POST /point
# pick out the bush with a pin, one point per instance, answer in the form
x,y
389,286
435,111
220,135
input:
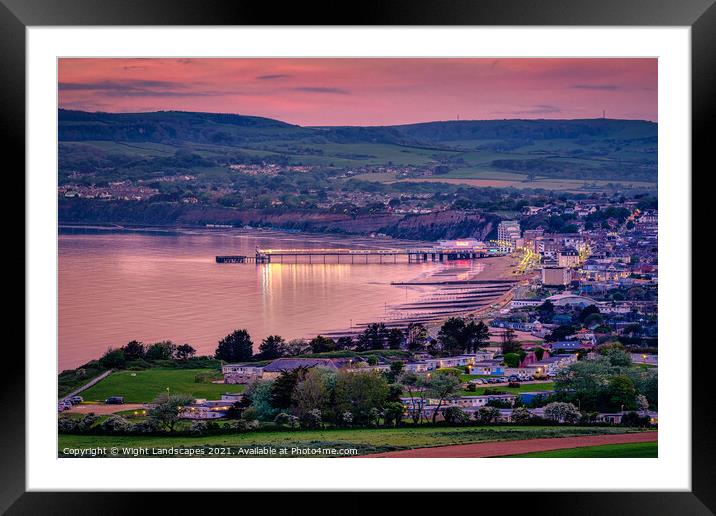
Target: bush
x,y
521,416
487,415
66,425
562,412
198,427
145,427
634,419
113,359
455,416
115,425
87,421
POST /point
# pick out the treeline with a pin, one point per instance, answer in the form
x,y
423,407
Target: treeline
x,y
456,336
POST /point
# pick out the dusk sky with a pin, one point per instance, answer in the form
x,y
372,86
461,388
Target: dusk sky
x,y
366,91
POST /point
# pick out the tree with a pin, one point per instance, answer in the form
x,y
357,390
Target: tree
x,y
618,357
167,409
361,393
185,351
395,338
396,368
587,311
415,386
621,393
487,415
321,344
455,416
562,412
476,336
133,350
416,337
546,309
258,397
512,359
442,387
452,336
393,413
559,333
283,386
642,404
296,347
163,350
373,337
521,416
509,342
235,347
272,347
113,359
345,342
310,393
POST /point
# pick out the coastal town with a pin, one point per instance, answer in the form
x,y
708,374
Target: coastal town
x,y
511,349
393,257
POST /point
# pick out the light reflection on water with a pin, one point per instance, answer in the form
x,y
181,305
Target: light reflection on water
x,y
117,287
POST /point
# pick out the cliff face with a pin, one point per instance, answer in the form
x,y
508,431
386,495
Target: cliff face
x,y
433,226
446,224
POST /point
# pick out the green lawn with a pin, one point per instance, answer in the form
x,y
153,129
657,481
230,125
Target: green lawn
x,y
143,386
365,440
607,451
524,387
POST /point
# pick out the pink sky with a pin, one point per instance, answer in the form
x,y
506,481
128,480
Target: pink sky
x,y
366,91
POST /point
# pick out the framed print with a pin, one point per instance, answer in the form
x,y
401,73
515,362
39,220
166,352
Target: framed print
x,y
438,249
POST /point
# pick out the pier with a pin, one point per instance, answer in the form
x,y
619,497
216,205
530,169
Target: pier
x,y
234,259
445,250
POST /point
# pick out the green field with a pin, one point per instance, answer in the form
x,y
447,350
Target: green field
x,y
524,387
365,440
606,451
143,386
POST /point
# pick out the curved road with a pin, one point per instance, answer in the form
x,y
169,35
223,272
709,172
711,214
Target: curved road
x,y
501,448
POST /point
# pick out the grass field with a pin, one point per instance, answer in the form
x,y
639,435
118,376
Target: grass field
x,y
365,440
143,386
524,387
607,451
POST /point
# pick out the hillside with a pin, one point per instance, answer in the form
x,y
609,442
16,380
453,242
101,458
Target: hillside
x,y
199,168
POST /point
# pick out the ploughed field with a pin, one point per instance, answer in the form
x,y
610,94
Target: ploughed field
x,y
364,440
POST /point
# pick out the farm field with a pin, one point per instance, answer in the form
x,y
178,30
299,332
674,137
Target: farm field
x,y
607,451
144,386
365,440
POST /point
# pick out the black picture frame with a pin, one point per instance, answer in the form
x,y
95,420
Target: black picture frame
x,y
17,15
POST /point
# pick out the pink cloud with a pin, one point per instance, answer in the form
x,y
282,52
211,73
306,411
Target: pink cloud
x,y
366,91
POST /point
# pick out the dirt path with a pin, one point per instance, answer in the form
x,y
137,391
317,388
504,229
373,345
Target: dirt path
x,y
498,449
102,409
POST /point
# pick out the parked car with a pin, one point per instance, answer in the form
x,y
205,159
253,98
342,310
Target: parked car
x,y
76,399
62,406
114,400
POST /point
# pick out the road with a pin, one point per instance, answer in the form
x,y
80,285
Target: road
x,y
501,448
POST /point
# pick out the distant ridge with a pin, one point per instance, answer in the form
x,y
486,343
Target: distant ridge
x,y
177,126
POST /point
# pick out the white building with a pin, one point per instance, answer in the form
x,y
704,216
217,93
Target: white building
x,y
508,232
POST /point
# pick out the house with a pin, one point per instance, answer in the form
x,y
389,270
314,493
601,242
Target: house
x,y
232,397
488,367
205,409
275,368
241,373
550,366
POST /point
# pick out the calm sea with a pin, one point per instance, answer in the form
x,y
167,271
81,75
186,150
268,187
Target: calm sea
x,y
121,286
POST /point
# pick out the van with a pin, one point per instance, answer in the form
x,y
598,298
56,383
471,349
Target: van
x,y
114,400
